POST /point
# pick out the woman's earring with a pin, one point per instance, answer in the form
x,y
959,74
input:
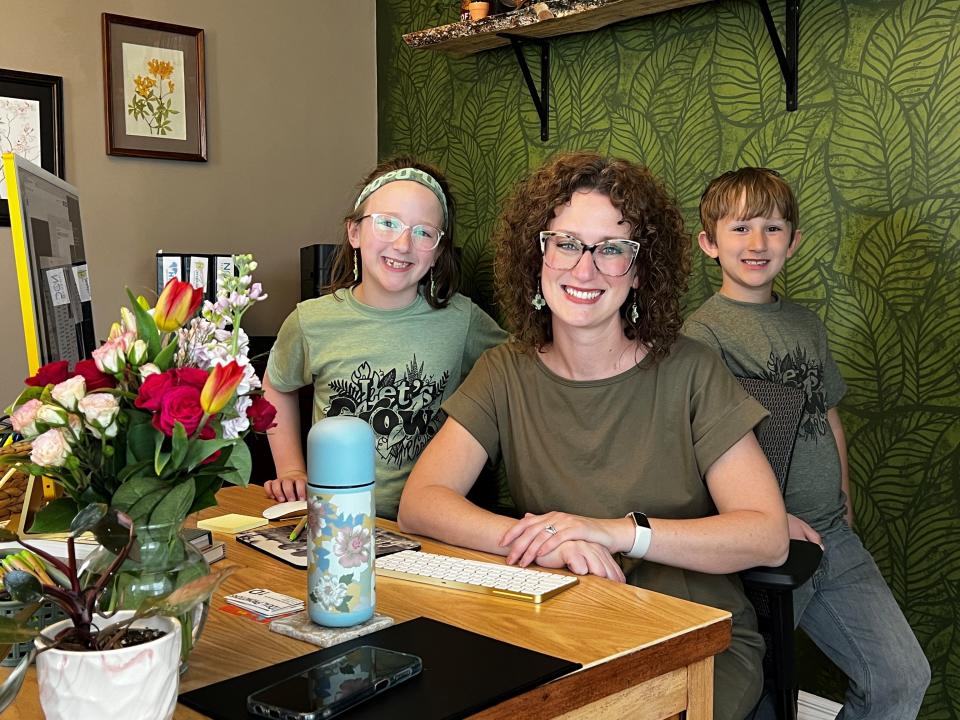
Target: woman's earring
x,y
433,286
634,311
356,269
538,302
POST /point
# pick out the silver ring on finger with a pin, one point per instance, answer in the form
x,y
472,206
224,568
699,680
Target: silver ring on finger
x,y
551,530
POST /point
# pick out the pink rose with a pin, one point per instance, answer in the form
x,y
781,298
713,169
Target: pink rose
x,y
24,418
50,449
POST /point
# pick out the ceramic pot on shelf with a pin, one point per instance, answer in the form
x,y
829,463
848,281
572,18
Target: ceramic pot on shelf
x,y
131,683
479,10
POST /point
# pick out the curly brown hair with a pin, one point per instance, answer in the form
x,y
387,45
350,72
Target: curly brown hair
x,y
662,264
446,275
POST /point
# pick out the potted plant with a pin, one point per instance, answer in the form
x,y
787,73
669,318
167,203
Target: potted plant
x,y
94,663
152,426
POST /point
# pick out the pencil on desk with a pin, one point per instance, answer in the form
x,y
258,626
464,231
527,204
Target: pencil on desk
x,y
299,528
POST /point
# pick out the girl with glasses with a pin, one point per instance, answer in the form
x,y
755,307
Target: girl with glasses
x,y
628,448
389,339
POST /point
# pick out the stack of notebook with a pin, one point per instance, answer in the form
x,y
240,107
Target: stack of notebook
x,y
202,540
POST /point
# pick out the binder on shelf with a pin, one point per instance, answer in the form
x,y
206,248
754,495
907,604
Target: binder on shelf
x,y
202,270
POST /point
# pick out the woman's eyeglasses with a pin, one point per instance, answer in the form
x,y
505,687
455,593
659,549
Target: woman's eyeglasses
x,y
562,251
388,228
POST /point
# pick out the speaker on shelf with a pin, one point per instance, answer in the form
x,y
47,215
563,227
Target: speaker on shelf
x,y
316,262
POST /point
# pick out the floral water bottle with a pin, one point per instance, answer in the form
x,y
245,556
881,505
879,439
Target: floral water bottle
x,y
342,515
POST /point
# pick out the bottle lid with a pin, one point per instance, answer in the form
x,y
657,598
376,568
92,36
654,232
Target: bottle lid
x,y
340,453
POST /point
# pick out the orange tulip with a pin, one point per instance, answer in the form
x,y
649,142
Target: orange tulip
x,y
176,304
220,386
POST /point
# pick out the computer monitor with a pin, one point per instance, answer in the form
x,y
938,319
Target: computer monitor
x,y
52,274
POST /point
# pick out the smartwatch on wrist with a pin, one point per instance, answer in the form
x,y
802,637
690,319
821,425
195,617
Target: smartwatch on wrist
x,y
642,535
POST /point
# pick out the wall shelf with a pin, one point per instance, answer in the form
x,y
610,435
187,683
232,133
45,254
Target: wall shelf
x,y
522,27
467,38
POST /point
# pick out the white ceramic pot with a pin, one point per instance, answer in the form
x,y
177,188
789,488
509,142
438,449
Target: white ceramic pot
x,y
134,683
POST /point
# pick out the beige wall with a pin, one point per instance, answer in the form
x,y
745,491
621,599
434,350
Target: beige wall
x,y
291,127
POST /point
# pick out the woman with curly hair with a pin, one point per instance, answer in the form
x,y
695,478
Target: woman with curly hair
x,y
628,447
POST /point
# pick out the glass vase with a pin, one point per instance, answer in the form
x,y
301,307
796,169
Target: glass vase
x,y
166,562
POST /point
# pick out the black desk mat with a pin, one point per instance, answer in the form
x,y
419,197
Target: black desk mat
x,y
463,673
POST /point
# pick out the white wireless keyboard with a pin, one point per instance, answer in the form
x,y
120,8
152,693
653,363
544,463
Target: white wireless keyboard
x,y
473,575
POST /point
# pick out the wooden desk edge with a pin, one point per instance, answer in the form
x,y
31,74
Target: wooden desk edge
x,y
602,680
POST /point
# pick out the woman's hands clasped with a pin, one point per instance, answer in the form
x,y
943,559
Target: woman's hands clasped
x,y
583,545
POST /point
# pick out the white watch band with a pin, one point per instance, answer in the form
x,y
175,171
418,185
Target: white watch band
x,y
641,542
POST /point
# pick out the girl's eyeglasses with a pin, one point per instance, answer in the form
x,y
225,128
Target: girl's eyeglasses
x,y
562,251
388,228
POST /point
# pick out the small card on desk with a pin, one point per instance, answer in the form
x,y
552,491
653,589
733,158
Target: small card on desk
x,y
232,523
265,602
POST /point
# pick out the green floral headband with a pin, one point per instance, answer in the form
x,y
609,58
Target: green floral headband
x,y
407,173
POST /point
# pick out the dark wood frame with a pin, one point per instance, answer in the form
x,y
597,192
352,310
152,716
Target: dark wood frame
x,y
48,90
117,29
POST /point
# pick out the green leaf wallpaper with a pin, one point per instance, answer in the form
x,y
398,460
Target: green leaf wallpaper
x,y
873,154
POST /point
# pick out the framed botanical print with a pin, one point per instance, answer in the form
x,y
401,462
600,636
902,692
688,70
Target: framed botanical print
x,y
154,88
31,124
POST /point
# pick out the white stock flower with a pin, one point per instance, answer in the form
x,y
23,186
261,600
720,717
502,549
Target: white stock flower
x,y
236,425
100,410
70,391
50,449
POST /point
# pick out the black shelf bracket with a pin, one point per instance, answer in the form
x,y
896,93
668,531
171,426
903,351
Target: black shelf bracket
x,y
541,100
786,56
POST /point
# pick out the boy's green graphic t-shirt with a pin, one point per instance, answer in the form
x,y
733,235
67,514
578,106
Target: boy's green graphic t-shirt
x,y
391,368
786,343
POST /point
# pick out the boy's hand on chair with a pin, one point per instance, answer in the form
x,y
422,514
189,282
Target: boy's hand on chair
x,y
799,530
290,486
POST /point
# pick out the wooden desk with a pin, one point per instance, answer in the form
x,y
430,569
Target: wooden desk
x,y
645,655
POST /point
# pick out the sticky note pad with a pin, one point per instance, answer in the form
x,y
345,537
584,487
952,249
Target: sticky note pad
x,y
232,523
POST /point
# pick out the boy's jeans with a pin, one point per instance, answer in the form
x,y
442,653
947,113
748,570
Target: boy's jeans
x,y
849,612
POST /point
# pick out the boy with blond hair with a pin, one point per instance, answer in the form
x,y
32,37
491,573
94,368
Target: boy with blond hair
x,y
749,219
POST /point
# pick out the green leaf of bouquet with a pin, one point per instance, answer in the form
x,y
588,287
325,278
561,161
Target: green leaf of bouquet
x,y
23,586
160,458
239,465
174,504
55,516
164,358
140,442
206,492
29,393
87,519
138,496
200,450
180,446
146,327
130,470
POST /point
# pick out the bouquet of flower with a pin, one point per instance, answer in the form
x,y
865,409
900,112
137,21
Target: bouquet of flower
x,y
153,424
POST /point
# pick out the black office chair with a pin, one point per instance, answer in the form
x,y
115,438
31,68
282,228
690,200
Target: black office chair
x,y
771,589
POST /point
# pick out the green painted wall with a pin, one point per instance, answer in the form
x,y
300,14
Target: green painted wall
x,y
874,156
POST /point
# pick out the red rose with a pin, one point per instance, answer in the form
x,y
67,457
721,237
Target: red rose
x,y
50,374
179,404
194,377
153,389
96,380
261,414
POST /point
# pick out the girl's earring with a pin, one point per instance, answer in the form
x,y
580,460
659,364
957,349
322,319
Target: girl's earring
x,y
433,286
538,302
634,310
356,269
